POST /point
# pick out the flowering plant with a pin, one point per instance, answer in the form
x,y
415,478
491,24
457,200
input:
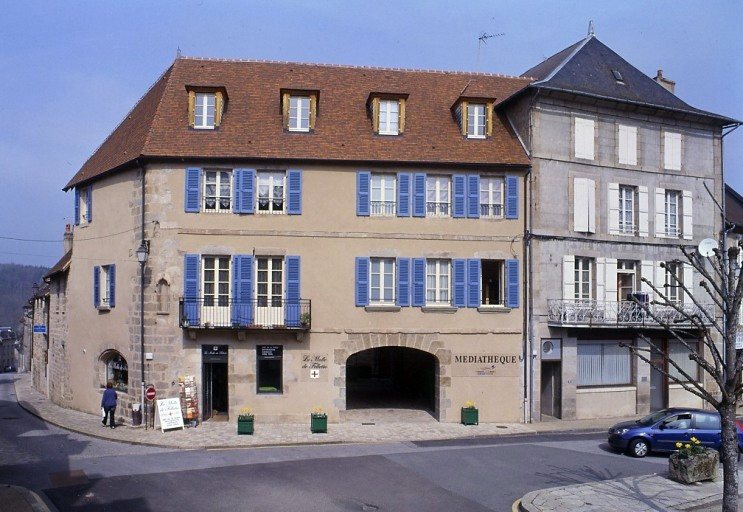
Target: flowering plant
x,y
469,404
688,450
246,413
318,411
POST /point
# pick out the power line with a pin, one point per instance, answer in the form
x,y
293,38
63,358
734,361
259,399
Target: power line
x,y
28,239
58,241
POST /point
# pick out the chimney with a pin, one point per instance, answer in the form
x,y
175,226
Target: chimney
x,y
67,238
667,84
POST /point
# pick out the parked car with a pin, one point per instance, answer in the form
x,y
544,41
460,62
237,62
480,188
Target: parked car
x,y
660,431
10,369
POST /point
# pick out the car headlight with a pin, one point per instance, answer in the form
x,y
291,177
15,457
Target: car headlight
x,y
622,431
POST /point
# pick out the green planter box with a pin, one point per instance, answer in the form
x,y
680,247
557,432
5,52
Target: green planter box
x,y
245,427
470,416
319,423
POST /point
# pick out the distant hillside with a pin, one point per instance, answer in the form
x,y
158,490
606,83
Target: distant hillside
x,y
16,283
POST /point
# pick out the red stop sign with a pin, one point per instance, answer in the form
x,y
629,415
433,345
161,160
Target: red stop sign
x,y
150,393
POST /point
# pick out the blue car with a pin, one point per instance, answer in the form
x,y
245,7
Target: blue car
x,y
660,431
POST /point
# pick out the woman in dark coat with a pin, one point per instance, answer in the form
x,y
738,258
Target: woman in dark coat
x,y
108,402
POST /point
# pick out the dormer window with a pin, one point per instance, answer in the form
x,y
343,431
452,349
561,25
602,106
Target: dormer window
x,y
388,113
475,117
476,120
205,108
299,110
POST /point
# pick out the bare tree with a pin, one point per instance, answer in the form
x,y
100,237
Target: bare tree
x,y
708,332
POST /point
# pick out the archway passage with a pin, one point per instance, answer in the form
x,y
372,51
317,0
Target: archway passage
x,y
391,377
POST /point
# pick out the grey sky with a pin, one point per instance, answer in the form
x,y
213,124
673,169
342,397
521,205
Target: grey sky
x,y
72,70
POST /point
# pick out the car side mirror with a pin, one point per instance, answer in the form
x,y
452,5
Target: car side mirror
x,y
662,426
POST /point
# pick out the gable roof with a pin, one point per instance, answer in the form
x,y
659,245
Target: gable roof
x,y
61,266
251,128
734,208
586,68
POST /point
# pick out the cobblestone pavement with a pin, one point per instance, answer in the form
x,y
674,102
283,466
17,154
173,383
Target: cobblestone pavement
x,y
223,434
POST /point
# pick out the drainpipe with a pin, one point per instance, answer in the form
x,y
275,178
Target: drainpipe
x,y
141,300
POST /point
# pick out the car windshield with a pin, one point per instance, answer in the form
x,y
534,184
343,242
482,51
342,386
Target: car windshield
x,y
652,418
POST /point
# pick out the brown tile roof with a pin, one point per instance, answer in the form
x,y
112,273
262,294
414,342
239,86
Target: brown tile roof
x,y
61,266
252,124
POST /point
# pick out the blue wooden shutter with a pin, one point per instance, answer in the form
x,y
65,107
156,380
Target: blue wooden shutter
x,y
191,303
292,310
242,290
112,286
362,281
403,282
363,185
244,191
460,194
473,196
512,197
96,286
237,186
403,194
193,186
419,195
473,283
77,207
512,283
294,194
89,199
460,283
419,282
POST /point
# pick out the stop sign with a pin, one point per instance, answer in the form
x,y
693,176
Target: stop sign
x,y
150,393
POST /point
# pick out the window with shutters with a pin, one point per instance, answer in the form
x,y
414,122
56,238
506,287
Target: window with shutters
x,y
382,281
83,201
583,278
217,191
672,213
438,196
627,144
627,209
389,116
438,282
299,114
476,119
105,280
269,283
673,280
583,135
672,151
603,364
383,199
493,282
215,281
627,279
270,197
491,197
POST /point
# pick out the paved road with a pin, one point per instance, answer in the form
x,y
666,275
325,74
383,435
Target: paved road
x,y
78,473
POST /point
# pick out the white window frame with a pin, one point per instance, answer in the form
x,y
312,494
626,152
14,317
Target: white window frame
x,y
379,270
383,199
491,188
218,299
476,120
221,177
441,205
271,179
672,289
627,144
592,359
583,278
104,285
626,267
627,207
83,205
672,150
389,117
672,214
299,112
269,299
584,138
438,294
205,109
500,285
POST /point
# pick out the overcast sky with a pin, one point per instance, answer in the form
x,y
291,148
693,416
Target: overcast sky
x,y
72,70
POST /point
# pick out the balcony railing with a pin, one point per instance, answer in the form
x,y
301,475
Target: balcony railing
x,y
626,313
245,314
383,208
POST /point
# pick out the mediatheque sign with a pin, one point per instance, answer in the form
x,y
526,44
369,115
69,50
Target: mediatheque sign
x,y
486,365
314,366
169,411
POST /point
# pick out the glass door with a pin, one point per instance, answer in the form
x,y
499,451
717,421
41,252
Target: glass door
x,y
215,309
269,291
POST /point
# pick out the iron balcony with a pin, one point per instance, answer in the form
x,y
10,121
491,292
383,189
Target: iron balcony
x,y
228,313
626,313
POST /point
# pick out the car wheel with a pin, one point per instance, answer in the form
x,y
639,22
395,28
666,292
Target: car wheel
x,y
639,448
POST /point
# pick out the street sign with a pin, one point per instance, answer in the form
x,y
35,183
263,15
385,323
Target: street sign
x,y
150,393
39,329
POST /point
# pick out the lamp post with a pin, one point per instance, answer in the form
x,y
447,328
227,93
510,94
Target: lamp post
x,y
142,253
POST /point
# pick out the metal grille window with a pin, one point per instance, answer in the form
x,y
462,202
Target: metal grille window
x,y
491,197
216,281
583,282
389,115
383,200
382,281
270,192
438,200
217,191
626,209
204,110
672,213
476,120
270,281
299,113
603,364
438,279
679,354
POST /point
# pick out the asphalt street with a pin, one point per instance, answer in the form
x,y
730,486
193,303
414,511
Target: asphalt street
x,y
77,473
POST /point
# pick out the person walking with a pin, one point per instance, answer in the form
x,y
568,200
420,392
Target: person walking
x,y
108,402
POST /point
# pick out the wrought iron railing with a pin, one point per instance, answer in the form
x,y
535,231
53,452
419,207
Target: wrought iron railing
x,y
491,210
244,314
383,207
437,209
622,313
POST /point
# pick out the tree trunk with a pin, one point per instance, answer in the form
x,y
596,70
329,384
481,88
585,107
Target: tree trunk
x,y
729,456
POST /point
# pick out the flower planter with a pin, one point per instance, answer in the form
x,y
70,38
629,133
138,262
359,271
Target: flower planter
x,y
319,423
245,426
470,416
696,468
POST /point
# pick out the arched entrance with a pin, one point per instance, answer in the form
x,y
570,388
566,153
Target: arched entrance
x,y
391,377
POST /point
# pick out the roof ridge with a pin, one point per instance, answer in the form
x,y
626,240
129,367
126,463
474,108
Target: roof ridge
x,y
557,68
159,103
352,66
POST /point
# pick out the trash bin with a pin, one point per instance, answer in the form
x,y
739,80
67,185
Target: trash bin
x,y
136,414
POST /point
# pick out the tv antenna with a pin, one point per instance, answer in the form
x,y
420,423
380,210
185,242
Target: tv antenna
x,y
483,39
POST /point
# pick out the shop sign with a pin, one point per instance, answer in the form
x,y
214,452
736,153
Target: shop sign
x,y
270,351
169,411
39,329
315,366
486,365
214,353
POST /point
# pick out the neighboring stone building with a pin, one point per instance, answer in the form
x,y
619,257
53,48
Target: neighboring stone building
x,y
619,169
40,340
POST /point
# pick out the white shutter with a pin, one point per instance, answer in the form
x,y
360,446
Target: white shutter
x,y
613,208
591,187
643,210
660,212
610,285
568,277
600,279
584,138
646,271
660,280
688,215
580,205
627,145
688,280
672,153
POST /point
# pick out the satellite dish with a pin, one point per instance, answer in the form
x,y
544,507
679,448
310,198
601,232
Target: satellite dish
x,y
707,247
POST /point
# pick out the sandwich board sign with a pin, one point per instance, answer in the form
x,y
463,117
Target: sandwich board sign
x,y
169,412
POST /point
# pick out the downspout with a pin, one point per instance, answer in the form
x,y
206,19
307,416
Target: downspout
x,y
529,385
141,298
527,298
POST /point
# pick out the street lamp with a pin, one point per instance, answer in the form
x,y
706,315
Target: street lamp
x,y
143,253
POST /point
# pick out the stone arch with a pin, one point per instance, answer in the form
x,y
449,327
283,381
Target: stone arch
x,y
162,289
113,366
